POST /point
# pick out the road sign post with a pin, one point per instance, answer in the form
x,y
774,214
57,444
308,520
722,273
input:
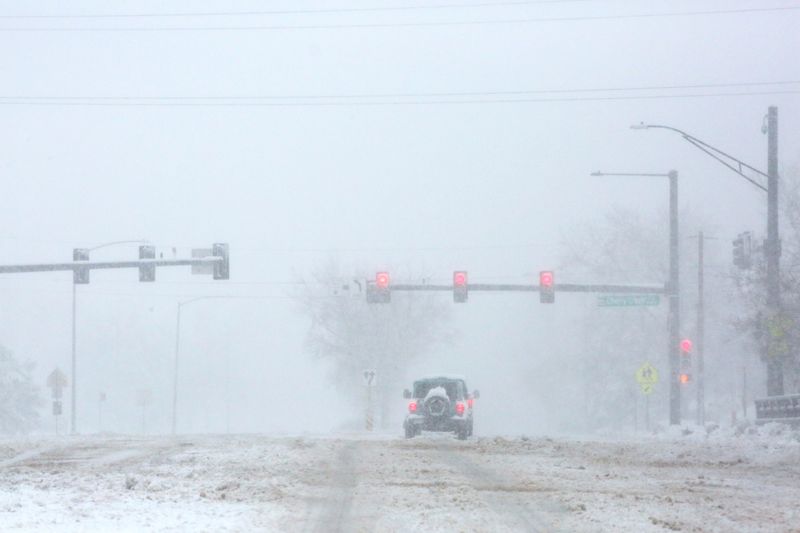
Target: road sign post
x,y
369,376
56,380
647,377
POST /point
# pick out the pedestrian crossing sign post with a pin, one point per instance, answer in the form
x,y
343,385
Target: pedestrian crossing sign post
x,y
647,377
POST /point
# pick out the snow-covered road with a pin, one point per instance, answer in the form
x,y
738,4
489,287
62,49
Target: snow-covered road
x,y
385,483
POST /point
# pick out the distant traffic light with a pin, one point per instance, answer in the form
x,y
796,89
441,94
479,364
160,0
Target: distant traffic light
x,y
80,275
685,375
547,293
460,287
222,269
379,291
743,250
147,272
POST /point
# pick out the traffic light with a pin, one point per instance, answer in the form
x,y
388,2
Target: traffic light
x,y
460,287
222,269
147,272
686,346
742,250
685,375
80,275
379,291
547,293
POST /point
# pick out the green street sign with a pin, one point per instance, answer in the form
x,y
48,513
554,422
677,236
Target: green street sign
x,y
628,300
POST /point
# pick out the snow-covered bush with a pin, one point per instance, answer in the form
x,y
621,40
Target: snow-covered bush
x,y
19,397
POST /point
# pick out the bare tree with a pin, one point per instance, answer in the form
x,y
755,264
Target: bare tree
x,y
355,335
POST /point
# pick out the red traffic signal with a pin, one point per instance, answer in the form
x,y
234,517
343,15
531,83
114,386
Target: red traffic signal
x,y
686,346
547,294
382,280
460,288
379,292
684,378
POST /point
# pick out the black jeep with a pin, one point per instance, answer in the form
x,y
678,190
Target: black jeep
x,y
439,403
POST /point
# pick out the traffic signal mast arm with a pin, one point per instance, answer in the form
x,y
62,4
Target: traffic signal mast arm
x,y
98,265
560,287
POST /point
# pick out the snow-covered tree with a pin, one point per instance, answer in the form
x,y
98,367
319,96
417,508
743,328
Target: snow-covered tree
x,y
623,248
19,397
784,328
355,335
629,247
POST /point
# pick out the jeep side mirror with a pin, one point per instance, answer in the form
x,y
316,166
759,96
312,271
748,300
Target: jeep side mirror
x,y
406,394
476,394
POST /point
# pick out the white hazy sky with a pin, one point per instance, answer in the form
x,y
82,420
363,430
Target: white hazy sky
x,y
324,165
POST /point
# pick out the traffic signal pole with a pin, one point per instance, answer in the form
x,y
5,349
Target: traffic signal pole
x,y
672,290
80,268
701,328
673,348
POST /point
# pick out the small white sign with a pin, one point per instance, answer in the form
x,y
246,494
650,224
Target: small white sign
x,y
370,377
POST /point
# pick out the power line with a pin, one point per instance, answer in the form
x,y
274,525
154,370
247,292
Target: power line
x,y
70,103
293,11
378,25
406,95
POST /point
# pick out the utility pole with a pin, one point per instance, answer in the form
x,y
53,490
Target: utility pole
x,y
772,245
773,253
701,331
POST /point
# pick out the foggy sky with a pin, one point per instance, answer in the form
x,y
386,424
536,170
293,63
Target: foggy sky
x,y
423,187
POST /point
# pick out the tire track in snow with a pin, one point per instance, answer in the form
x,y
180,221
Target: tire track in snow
x,y
495,491
334,516
25,456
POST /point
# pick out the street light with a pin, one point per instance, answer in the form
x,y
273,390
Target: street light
x,y
772,248
73,413
673,289
177,352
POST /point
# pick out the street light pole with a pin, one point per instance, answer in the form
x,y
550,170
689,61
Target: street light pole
x,y
175,370
772,245
673,291
177,356
74,362
72,415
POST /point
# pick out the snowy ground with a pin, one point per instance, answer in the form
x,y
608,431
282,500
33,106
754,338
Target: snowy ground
x,y
385,483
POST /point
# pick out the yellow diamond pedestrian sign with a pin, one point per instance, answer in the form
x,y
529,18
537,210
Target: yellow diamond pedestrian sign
x,y
647,377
